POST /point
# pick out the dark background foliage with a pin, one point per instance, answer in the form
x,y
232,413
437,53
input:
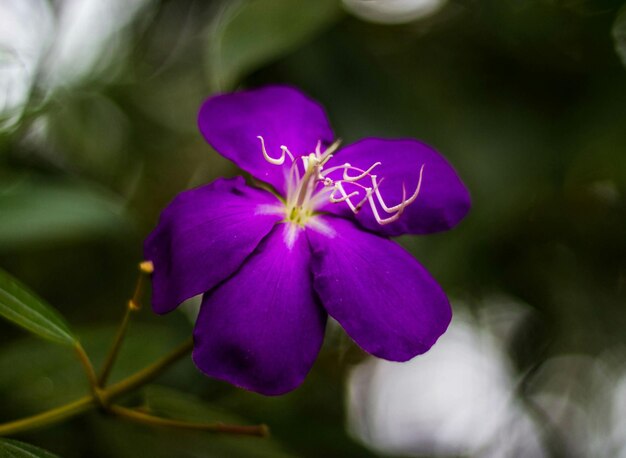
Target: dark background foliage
x,y
526,98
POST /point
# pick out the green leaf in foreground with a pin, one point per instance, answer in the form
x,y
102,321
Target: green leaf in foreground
x,y
619,34
10,448
24,308
250,34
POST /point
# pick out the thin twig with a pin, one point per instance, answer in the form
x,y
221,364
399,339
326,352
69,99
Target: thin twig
x,y
115,348
89,370
133,305
141,417
49,417
147,374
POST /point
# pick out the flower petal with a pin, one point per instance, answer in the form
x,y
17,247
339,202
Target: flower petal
x,y
262,329
281,115
442,201
385,300
203,236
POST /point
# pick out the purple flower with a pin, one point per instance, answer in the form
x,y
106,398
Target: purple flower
x,y
310,239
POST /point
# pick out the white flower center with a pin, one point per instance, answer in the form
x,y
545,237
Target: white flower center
x,y
309,187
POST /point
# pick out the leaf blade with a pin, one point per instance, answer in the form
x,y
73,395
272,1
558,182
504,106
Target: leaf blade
x,y
22,307
16,449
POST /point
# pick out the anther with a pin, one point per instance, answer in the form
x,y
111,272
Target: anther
x,y
133,305
284,149
146,267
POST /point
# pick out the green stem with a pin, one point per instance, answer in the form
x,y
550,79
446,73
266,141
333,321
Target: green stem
x,y
49,417
145,375
100,398
140,417
115,348
145,268
89,370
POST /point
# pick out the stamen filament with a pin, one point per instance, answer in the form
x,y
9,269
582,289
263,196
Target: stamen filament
x,y
271,160
284,149
404,202
363,174
304,195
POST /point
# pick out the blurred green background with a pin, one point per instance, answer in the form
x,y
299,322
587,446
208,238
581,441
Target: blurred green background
x,y
526,98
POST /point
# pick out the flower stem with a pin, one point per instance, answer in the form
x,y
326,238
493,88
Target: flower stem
x,y
99,398
141,417
89,370
49,417
115,348
133,305
102,397
147,374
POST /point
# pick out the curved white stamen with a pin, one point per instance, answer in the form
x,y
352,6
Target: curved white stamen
x,y
344,197
346,167
271,160
391,219
369,192
328,153
284,149
310,187
363,174
404,202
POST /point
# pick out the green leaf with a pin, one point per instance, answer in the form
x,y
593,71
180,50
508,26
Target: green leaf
x,y
247,35
36,210
10,448
619,35
24,308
